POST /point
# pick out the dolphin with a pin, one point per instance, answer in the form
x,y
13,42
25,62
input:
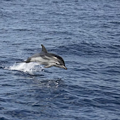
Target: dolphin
x,y
47,59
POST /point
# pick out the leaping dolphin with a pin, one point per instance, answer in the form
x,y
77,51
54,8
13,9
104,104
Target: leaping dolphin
x,y
47,59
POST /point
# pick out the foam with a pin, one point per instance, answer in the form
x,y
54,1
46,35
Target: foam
x,y
26,67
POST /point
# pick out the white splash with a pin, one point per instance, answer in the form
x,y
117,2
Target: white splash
x,y
26,67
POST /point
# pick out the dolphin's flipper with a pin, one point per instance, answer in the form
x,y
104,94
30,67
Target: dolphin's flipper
x,y
43,49
47,66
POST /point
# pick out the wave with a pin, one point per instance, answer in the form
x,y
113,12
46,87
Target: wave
x,y
90,49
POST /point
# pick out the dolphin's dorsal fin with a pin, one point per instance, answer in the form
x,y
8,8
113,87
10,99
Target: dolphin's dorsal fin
x,y
43,48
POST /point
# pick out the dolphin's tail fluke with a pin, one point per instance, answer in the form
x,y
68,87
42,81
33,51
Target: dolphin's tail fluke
x,y
28,60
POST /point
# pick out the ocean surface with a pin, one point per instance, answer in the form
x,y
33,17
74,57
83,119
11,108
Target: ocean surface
x,y
86,33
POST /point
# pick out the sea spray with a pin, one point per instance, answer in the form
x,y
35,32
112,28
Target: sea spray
x,y
26,67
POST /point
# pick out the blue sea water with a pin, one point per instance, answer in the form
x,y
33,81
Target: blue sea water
x,y
86,33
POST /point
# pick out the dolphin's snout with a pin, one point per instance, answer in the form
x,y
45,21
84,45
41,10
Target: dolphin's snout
x,y
65,67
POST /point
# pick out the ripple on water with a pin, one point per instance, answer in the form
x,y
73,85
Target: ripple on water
x,y
86,34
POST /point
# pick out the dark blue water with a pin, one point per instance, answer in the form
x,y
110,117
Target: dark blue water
x,y
86,33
